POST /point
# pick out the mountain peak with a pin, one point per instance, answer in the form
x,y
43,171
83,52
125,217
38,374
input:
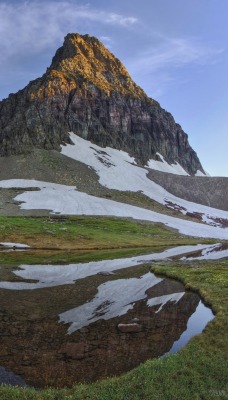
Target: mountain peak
x,y
88,91
85,60
74,45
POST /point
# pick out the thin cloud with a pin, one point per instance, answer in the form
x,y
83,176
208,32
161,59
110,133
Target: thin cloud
x,y
107,41
31,27
167,57
175,53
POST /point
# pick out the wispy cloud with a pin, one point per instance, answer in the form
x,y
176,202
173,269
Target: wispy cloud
x,y
175,53
162,61
31,27
107,41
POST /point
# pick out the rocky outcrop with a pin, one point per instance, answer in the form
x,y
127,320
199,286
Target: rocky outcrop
x,y
88,91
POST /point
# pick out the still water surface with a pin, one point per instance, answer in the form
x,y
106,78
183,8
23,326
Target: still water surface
x,y
61,324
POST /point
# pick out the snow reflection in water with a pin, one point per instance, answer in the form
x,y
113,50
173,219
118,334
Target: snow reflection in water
x,y
116,298
213,252
35,323
55,275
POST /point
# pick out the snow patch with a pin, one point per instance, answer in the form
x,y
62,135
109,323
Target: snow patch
x,y
66,200
16,245
123,174
200,173
163,166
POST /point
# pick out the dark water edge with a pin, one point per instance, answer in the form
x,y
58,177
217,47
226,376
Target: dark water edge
x,y
59,324
196,325
9,378
134,348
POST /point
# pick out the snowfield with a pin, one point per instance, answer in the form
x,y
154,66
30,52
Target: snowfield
x,y
117,170
67,200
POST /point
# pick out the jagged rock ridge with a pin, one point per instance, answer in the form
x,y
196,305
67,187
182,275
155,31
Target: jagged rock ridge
x,y
88,91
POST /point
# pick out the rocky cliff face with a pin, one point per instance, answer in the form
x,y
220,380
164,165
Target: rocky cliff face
x,y
88,91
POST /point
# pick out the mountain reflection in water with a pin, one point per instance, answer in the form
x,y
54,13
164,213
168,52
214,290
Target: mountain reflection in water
x,y
69,333
116,298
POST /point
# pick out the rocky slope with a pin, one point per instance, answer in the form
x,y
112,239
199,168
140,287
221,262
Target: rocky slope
x,y
88,91
210,191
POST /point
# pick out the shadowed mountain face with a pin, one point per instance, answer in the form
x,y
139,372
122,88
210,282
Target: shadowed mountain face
x,y
88,91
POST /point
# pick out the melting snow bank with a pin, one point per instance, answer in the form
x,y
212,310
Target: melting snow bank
x,y
163,166
200,173
67,200
117,170
57,275
14,245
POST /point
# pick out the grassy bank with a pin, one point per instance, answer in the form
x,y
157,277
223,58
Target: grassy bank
x,y
84,232
112,237
198,371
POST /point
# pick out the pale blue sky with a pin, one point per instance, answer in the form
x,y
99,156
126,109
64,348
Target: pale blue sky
x,y
177,50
